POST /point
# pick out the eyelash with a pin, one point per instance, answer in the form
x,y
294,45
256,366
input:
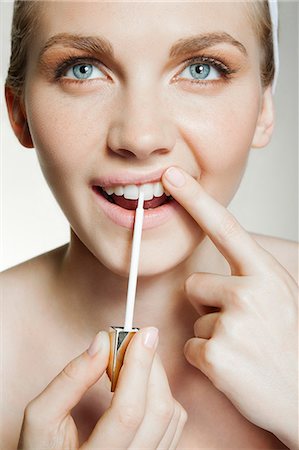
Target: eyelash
x,y
224,70
66,64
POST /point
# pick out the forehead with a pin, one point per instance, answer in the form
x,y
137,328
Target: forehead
x,y
150,23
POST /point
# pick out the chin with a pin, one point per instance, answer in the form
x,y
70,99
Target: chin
x,y
158,254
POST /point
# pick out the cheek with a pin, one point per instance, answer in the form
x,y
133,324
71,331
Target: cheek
x,y
219,131
68,131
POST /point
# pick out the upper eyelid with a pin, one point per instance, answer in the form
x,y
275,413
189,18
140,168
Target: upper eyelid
x,y
72,61
82,60
206,60
64,66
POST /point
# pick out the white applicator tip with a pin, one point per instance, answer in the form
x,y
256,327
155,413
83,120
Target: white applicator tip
x,y
140,200
134,263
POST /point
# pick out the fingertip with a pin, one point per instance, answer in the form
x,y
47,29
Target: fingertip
x,y
186,348
147,337
174,176
192,351
150,337
99,344
144,342
188,283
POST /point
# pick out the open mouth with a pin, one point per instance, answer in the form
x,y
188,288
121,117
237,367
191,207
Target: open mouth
x,y
127,196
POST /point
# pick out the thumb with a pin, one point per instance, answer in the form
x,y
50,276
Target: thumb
x,y
67,388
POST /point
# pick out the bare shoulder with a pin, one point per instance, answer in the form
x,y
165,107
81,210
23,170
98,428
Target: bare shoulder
x,y
25,289
285,251
25,286
31,273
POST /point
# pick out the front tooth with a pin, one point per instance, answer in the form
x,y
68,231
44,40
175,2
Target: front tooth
x,y
158,189
109,190
131,192
119,190
148,190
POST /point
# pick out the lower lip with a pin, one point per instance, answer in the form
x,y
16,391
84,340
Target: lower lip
x,y
125,217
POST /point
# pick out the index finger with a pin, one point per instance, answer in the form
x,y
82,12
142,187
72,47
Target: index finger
x,y
240,250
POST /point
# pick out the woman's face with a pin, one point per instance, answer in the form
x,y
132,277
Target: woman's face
x,y
117,92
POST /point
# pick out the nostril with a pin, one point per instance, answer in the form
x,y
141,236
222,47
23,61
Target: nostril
x,y
140,154
162,151
123,152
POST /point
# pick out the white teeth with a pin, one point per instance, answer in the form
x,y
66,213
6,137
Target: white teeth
x,y
158,189
119,190
131,191
148,190
109,190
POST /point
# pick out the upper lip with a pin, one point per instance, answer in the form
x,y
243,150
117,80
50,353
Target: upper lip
x,y
126,177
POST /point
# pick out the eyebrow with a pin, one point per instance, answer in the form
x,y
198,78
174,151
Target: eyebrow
x,y
202,41
92,44
96,44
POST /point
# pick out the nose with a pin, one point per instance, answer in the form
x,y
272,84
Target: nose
x,y
141,127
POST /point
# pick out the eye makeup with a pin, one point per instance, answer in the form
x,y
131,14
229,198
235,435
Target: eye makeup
x,y
62,67
56,64
222,66
224,70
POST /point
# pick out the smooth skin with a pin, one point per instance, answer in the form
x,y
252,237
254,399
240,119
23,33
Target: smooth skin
x,y
241,342
142,114
254,337
143,410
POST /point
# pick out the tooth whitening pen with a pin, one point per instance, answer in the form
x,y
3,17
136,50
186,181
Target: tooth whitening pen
x,y
121,336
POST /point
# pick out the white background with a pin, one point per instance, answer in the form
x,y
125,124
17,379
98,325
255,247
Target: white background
x,y
267,201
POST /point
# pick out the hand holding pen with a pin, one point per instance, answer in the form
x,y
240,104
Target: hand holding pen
x,y
143,412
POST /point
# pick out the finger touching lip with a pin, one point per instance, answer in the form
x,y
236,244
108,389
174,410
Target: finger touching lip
x,y
231,239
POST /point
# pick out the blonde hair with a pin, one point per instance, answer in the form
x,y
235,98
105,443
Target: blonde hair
x,y
259,15
25,23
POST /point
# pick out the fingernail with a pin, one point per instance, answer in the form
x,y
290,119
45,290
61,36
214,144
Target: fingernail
x,y
150,337
96,344
175,177
186,347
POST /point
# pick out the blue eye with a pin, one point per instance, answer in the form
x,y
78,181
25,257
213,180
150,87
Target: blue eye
x,y
84,72
200,71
